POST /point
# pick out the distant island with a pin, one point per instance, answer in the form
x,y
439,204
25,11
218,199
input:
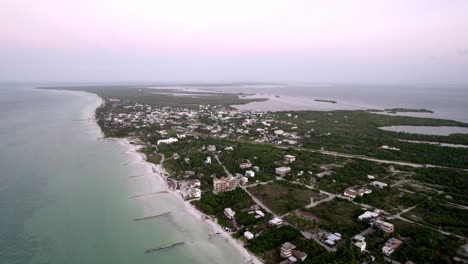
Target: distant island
x,y
407,110
326,101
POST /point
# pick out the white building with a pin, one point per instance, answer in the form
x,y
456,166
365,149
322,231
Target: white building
x,y
368,215
167,141
275,221
211,148
249,173
379,184
282,171
229,213
289,158
279,132
248,235
208,160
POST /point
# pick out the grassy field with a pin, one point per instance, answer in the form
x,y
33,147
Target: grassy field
x,y
339,215
282,197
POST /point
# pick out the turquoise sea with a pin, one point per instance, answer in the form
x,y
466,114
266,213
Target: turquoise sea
x,y
64,193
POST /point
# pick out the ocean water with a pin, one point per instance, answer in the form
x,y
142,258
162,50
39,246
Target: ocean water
x,y
64,193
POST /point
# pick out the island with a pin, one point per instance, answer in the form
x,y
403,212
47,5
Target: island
x,y
407,110
326,101
302,186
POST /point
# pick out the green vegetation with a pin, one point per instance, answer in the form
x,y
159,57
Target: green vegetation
x,y
447,218
282,196
340,216
273,238
214,204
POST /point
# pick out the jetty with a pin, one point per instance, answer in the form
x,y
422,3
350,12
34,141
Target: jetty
x,y
164,247
152,216
142,195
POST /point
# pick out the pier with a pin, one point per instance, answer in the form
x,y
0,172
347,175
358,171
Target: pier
x,y
148,194
151,216
164,247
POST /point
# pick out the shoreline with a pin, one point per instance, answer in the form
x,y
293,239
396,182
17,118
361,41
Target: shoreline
x,y
158,171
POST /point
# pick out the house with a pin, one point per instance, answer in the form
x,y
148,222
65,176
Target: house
x,y
225,184
287,250
189,173
282,171
249,173
175,156
361,245
229,213
275,221
333,239
325,173
167,141
245,165
190,193
259,213
187,160
211,148
243,180
367,215
278,132
389,148
208,160
352,192
256,168
391,245
248,235
385,226
300,255
289,158
379,184
370,177
194,183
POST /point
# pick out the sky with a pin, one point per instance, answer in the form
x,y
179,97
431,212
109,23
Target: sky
x,y
329,41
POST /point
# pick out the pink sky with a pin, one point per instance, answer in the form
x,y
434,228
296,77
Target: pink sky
x,y
431,36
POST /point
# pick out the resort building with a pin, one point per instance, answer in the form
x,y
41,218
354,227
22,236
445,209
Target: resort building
x,y
282,171
243,180
245,165
368,214
225,184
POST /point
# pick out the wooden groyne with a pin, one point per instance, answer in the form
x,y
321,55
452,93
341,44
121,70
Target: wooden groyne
x,y
164,247
151,216
142,195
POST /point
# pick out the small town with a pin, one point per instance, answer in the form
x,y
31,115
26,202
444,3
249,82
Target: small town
x,y
253,173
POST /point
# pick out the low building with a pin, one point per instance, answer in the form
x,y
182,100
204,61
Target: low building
x,y
275,222
333,239
282,171
256,168
391,245
249,173
248,235
208,160
190,193
379,184
278,132
229,213
385,226
225,184
167,141
361,245
211,148
243,180
194,183
245,165
259,214
300,255
352,192
367,215
289,158
287,250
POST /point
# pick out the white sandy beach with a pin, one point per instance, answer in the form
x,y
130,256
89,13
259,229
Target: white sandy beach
x,y
157,182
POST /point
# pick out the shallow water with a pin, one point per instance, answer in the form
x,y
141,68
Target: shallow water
x,y
428,130
65,193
